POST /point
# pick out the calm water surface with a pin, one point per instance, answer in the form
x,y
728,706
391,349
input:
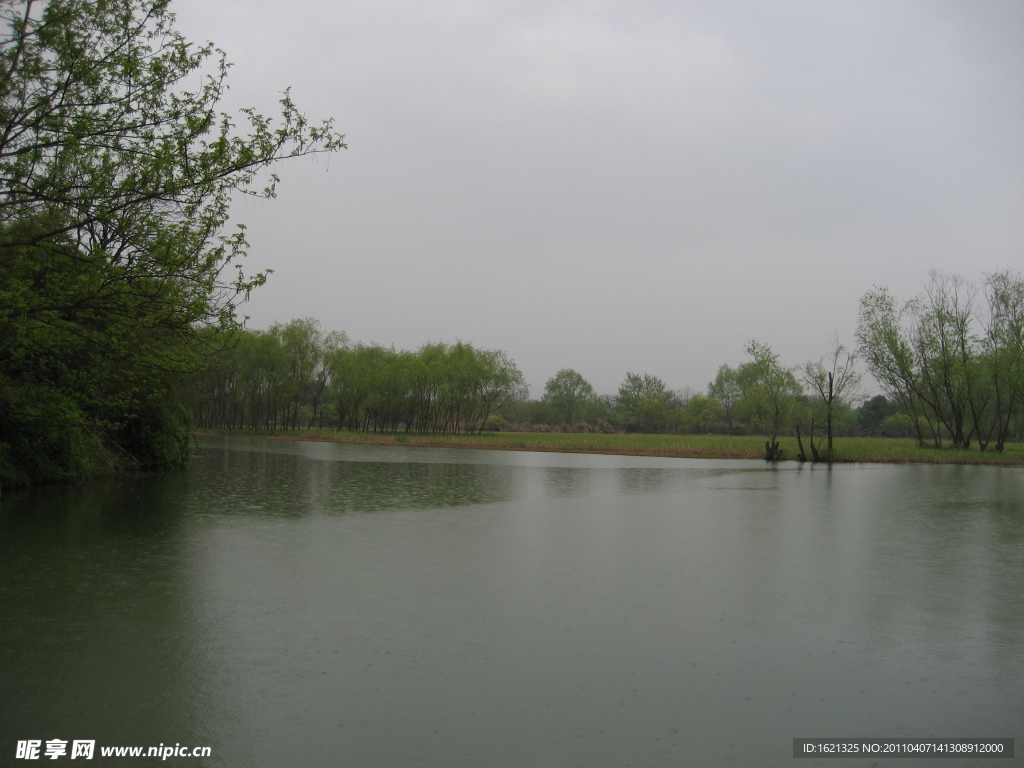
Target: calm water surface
x,y
311,604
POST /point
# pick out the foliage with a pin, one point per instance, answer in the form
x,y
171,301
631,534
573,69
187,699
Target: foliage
x,y
834,385
292,376
873,412
643,403
45,437
770,394
727,391
115,183
953,358
438,389
702,413
897,425
568,392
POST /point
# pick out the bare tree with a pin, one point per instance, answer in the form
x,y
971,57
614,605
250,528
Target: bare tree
x,y
836,382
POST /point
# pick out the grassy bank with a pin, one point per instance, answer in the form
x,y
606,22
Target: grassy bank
x,y
848,449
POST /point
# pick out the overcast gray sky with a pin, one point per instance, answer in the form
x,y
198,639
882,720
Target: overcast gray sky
x,y
628,186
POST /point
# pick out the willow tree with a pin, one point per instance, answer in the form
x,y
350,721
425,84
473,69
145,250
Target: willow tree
x,y
889,354
116,175
964,379
1004,349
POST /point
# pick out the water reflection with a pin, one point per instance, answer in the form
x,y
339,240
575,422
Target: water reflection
x,y
568,482
289,483
633,480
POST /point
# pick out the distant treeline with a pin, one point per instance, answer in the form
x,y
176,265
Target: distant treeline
x,y
950,364
295,376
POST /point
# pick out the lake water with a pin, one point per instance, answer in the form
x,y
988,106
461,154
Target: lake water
x,y
314,604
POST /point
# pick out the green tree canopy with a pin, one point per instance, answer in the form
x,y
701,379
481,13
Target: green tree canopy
x,y
568,392
726,390
116,176
770,392
952,358
643,402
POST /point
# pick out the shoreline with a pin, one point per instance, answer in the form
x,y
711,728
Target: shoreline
x,y
886,450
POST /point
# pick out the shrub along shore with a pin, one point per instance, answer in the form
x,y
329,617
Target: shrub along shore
x,y
848,449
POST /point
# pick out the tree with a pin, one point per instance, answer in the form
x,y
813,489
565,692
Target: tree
x,y
500,384
889,356
1003,346
835,383
770,393
931,359
727,391
702,413
303,344
568,392
115,184
643,402
873,412
945,347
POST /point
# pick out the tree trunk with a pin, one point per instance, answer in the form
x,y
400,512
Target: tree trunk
x,y
831,397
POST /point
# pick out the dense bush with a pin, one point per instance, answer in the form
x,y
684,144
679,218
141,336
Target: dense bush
x,y
45,437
